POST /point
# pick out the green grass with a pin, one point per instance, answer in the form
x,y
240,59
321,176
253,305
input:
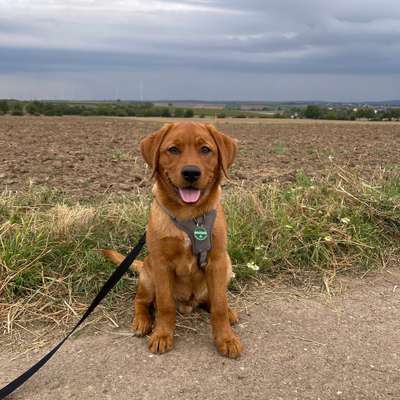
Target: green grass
x,y
279,148
337,225
48,252
49,263
118,154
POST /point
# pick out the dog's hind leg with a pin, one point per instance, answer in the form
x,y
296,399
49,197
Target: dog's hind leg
x,y
142,321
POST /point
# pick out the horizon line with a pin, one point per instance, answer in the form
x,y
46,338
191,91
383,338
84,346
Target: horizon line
x,y
205,101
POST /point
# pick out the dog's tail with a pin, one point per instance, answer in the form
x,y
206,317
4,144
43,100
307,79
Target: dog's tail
x,y
117,258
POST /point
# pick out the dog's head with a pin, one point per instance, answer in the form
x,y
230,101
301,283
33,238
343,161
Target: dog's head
x,y
188,158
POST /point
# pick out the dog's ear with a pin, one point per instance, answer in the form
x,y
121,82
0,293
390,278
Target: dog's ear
x,y
150,147
227,147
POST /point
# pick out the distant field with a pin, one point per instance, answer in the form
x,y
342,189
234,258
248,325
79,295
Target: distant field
x,y
86,156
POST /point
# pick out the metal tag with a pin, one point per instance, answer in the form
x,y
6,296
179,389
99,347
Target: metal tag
x,y
200,233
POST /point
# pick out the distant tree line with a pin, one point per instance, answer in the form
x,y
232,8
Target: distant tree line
x,y
344,113
147,109
117,109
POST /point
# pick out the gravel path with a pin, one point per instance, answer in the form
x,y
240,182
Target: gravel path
x,y
296,347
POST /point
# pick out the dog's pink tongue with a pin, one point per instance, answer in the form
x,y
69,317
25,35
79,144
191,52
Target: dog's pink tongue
x,y
189,195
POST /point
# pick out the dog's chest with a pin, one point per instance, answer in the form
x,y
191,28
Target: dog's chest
x,y
185,265
175,243
190,283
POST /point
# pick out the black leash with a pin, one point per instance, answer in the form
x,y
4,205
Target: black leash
x,y
112,281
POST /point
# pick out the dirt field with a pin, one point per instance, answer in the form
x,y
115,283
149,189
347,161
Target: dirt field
x,y
297,346
86,156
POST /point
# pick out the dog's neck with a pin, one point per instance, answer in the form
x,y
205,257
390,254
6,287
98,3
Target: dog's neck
x,y
188,211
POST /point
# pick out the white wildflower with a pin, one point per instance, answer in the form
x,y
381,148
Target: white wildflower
x,y
252,265
328,238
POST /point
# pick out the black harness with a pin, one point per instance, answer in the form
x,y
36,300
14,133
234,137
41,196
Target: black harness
x,y
199,231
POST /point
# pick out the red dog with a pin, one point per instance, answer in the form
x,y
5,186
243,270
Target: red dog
x,y
188,263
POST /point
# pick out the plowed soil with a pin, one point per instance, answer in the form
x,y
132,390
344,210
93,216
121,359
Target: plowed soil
x,y
87,156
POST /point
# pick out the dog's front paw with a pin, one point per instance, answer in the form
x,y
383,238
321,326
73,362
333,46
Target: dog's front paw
x,y
161,342
141,324
229,346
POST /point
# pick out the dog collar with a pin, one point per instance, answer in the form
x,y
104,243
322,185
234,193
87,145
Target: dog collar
x,y
199,231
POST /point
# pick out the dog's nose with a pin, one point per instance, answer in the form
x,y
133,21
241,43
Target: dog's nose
x,y
191,173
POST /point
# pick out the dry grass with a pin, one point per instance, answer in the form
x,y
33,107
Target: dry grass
x,y
65,220
309,231
49,266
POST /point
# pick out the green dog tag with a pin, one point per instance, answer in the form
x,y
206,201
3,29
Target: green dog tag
x,y
200,233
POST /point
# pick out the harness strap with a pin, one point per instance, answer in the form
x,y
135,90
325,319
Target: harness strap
x,y
199,231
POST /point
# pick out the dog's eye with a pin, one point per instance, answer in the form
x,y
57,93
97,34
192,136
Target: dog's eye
x,y
173,150
205,150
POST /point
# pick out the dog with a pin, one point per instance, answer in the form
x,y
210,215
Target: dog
x,y
188,161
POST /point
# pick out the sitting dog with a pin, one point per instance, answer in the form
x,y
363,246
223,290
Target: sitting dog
x,y
187,263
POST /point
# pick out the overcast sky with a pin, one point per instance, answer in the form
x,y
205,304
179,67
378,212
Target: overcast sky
x,y
200,49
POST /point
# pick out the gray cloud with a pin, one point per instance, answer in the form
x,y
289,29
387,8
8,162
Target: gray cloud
x,y
77,39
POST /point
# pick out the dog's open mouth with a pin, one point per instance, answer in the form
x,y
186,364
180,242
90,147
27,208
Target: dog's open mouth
x,y
189,195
